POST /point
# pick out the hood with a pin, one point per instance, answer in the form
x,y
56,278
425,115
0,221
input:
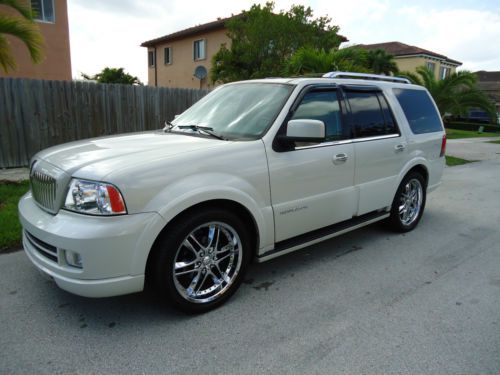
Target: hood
x,y
100,156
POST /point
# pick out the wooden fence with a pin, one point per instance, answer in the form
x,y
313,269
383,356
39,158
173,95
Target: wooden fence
x,y
37,114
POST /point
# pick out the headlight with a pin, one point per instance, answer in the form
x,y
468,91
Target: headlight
x,y
95,198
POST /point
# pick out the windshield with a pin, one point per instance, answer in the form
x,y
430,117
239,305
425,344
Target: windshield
x,y
242,110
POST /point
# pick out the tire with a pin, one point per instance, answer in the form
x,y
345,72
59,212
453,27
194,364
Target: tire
x,y
201,260
408,204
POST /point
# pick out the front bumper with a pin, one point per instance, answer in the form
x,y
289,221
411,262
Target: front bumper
x,y
113,250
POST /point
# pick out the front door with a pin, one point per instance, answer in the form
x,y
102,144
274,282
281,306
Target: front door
x,y
312,185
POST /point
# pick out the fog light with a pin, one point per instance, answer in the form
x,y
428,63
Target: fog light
x,y
73,259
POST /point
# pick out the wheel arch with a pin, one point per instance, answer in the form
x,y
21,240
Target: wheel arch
x,y
230,205
418,165
422,170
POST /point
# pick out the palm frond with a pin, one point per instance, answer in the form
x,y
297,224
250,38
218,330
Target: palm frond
x,y
22,7
413,77
381,62
428,78
457,81
474,98
27,32
6,58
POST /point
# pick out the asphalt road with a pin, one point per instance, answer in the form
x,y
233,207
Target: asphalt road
x,y
369,302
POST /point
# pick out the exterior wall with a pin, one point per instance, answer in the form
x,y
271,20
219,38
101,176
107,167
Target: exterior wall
x,y
411,64
180,73
57,62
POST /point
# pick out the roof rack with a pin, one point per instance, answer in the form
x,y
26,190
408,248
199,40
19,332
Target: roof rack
x,y
375,77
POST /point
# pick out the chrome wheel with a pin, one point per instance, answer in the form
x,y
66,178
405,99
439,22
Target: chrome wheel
x,y
207,262
410,202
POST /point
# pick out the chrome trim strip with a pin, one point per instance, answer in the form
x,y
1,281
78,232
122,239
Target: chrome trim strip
x,y
309,243
347,141
365,139
325,144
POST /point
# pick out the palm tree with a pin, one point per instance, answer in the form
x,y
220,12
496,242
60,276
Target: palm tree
x,y
381,62
454,94
22,27
310,61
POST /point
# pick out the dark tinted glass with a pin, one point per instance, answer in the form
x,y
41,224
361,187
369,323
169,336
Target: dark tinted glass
x,y
390,124
43,10
366,114
419,110
151,58
48,10
323,106
167,55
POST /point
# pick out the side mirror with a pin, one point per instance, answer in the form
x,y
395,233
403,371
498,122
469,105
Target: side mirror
x,y
305,131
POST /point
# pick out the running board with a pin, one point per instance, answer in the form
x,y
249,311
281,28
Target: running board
x,y
318,235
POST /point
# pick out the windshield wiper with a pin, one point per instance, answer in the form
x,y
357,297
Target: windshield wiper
x,y
202,129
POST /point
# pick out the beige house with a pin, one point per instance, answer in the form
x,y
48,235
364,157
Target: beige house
x,y
52,20
408,58
184,58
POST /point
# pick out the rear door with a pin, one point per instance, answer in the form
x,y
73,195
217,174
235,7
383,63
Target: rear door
x,y
380,149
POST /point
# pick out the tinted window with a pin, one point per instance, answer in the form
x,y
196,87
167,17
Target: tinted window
x,y
323,106
419,110
366,114
390,123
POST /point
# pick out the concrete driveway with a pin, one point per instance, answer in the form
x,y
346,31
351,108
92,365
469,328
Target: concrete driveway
x,y
369,302
474,148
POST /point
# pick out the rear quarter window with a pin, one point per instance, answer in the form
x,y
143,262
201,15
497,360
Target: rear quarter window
x,y
419,110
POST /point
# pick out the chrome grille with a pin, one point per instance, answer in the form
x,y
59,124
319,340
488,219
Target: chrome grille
x,y
44,190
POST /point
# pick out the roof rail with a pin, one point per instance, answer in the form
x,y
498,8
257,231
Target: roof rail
x,y
375,77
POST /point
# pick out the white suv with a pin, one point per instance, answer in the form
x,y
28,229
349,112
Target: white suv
x,y
254,170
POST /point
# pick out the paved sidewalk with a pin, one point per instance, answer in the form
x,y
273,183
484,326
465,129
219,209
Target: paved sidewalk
x,y
14,174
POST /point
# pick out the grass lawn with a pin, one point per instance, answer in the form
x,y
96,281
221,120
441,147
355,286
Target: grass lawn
x,y
10,234
456,133
497,142
452,161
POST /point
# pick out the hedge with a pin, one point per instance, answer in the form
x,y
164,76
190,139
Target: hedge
x,y
472,126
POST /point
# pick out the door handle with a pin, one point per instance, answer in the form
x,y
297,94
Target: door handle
x,y
340,158
399,147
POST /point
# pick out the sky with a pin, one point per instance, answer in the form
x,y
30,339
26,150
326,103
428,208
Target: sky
x,y
108,33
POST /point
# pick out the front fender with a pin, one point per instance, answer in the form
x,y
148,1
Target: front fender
x,y
191,190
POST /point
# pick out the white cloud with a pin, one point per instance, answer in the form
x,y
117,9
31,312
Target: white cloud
x,y
470,36
109,33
